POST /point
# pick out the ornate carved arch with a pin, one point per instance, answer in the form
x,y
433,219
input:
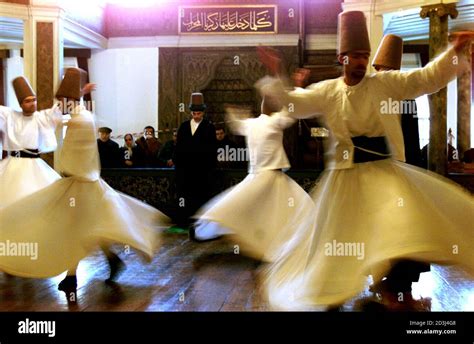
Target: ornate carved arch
x,y
186,70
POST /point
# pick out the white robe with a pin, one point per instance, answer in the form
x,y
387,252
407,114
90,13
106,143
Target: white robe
x,y
370,214
357,110
263,209
69,218
20,177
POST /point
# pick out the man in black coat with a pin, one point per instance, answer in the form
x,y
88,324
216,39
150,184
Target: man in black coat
x,y
109,151
195,161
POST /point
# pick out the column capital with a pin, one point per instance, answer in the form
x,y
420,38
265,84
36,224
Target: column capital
x,y
440,10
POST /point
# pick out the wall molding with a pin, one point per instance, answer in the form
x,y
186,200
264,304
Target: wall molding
x,y
176,41
321,42
14,11
79,36
313,41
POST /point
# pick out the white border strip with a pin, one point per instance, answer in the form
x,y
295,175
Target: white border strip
x,y
321,42
203,41
313,41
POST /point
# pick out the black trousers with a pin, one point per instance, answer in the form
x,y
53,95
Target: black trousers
x,y
403,273
194,188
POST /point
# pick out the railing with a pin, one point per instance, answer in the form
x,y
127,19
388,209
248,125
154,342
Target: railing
x,y
156,186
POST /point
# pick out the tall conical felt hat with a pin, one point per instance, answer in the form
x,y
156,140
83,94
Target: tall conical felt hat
x,y
390,51
197,102
352,32
22,89
271,104
71,86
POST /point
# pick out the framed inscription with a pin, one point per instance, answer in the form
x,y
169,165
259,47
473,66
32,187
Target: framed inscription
x,y
232,19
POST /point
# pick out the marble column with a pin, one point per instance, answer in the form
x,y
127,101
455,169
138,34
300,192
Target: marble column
x,y
438,41
464,106
44,65
43,58
2,87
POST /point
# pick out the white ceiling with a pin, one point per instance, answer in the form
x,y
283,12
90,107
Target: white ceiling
x,y
11,32
409,25
11,35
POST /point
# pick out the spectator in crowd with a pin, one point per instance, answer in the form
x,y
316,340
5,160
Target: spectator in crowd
x,y
165,156
148,147
225,146
468,157
128,151
222,138
108,150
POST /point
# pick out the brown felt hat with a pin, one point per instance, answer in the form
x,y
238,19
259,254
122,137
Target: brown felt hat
x,y
271,104
22,89
352,32
390,51
74,81
197,102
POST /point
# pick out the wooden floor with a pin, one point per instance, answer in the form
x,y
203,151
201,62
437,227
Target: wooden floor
x,y
189,276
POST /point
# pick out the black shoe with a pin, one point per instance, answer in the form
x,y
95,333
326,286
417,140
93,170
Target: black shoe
x,y
69,287
379,287
117,266
335,308
192,234
68,283
369,305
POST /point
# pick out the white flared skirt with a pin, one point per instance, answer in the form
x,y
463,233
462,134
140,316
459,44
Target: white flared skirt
x,y
20,177
260,213
67,220
365,219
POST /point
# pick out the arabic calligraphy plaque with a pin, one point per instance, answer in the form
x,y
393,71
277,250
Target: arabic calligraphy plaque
x,y
245,19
